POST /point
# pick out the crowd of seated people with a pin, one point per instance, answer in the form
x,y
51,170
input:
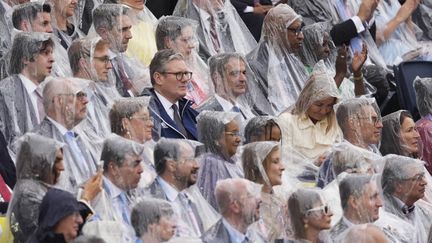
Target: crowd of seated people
x,y
213,121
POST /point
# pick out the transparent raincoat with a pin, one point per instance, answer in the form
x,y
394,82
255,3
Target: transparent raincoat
x,y
235,88
153,220
21,107
220,134
400,136
405,187
220,28
310,128
65,101
130,119
423,89
114,23
315,11
179,34
306,207
262,164
279,72
37,162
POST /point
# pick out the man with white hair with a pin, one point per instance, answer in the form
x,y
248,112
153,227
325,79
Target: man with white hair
x,y
239,205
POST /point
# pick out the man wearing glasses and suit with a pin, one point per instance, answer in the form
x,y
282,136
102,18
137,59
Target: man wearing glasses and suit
x,y
172,113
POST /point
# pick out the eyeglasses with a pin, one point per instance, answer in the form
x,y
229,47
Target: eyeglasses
x,y
375,120
81,96
234,134
297,31
418,177
237,73
322,209
180,75
146,119
104,59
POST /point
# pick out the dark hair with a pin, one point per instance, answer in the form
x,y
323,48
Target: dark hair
x,y
217,63
298,204
160,59
258,126
170,27
164,150
28,11
105,15
352,185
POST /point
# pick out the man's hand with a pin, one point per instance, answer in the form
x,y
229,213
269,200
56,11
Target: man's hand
x,y
92,187
358,60
262,9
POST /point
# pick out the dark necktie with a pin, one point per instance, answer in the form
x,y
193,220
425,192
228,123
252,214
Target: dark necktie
x,y
127,85
407,210
178,120
214,34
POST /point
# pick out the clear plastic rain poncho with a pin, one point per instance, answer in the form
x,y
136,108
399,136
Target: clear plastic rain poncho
x,y
153,220
365,233
130,118
360,121
304,141
119,155
235,87
307,207
422,17
220,28
279,72
262,128
401,44
36,165
113,22
423,89
405,187
19,113
65,101
219,132
315,11
399,135
179,34
37,17
261,164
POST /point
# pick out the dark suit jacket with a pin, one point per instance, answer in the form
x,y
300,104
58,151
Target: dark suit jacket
x,y
343,32
216,234
7,166
164,126
161,8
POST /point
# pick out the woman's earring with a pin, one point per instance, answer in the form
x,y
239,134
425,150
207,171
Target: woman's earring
x,y
306,226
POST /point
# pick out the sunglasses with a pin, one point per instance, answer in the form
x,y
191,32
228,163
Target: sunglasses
x,y
324,209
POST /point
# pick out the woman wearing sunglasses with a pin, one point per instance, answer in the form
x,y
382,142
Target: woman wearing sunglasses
x,y
309,215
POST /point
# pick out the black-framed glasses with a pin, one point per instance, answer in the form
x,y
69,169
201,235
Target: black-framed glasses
x,y
298,30
104,59
81,96
180,75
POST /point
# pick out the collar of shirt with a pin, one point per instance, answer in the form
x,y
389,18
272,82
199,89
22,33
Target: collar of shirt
x,y
28,84
226,104
170,191
167,105
113,190
111,54
59,126
305,122
235,235
399,203
347,222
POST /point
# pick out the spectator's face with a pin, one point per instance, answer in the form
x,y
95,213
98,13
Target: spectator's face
x,y
80,112
370,125
249,203
274,167
235,75
295,36
101,63
230,140
368,204
42,64
121,34
140,126
129,173
320,109
65,8
167,82
413,187
185,43
135,4
58,166
324,49
69,226
409,136
318,217
165,228
42,23
187,167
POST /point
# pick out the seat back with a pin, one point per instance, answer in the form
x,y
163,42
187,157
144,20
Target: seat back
x,y
405,73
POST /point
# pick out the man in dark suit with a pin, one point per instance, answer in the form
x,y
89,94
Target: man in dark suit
x,y
177,170
238,204
172,113
161,8
21,105
65,105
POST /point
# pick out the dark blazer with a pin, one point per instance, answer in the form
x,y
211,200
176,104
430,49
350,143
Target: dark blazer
x,y
164,126
161,8
216,234
7,166
343,32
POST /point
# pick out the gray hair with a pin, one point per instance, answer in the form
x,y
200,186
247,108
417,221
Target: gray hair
x,y
423,89
105,15
352,185
26,46
28,11
115,149
160,59
56,87
171,27
349,107
217,65
228,190
147,212
125,108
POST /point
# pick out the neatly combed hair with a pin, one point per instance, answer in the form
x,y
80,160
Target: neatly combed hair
x,y
115,148
125,108
165,150
160,59
105,15
348,107
352,185
26,46
28,11
171,27
217,64
149,211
